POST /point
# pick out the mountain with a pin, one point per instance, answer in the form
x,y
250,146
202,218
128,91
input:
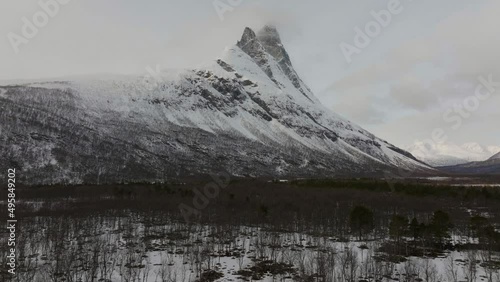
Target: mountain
x,y
488,167
491,166
448,154
247,113
495,157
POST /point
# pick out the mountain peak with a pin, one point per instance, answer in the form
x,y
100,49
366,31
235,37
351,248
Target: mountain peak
x,y
247,38
265,46
271,41
267,39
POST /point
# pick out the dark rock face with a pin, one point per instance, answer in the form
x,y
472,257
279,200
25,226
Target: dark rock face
x,y
249,114
225,66
253,47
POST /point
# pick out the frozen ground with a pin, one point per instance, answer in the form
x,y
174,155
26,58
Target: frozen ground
x,y
121,251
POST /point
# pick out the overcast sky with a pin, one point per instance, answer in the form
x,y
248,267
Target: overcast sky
x,y
416,68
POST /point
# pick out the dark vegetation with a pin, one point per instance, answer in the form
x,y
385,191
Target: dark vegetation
x,y
87,232
414,188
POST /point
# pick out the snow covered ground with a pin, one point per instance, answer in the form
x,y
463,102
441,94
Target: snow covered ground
x,y
186,252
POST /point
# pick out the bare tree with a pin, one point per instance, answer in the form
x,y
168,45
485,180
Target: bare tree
x,y
471,266
451,268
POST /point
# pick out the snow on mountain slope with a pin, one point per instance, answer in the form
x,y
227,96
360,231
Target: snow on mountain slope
x,y
446,154
247,113
495,157
490,166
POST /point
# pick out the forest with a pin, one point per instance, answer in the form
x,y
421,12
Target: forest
x,y
220,229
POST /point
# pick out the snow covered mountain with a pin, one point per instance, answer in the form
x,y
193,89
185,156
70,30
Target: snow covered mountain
x,y
447,154
247,113
490,166
495,157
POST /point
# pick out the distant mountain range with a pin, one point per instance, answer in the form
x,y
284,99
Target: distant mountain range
x,y
488,167
448,154
247,113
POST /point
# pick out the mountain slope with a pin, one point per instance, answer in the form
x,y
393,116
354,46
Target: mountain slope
x,y
247,113
488,167
495,157
447,154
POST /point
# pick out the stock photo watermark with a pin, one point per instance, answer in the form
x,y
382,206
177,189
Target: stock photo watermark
x,y
31,26
224,6
460,111
11,221
364,36
152,79
202,198
455,116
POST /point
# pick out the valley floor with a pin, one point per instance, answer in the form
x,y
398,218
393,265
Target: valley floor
x,y
258,230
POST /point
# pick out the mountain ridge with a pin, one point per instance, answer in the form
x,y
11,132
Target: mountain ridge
x,y
495,157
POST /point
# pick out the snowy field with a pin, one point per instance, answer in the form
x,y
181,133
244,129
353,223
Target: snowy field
x,y
126,249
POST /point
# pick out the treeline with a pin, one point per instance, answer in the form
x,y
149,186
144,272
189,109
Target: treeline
x,y
423,189
316,210
414,236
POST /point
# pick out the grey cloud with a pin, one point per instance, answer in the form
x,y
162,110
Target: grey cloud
x,y
363,109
